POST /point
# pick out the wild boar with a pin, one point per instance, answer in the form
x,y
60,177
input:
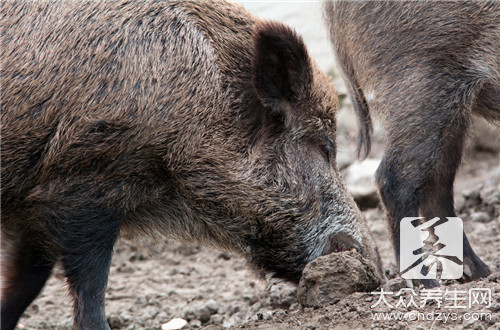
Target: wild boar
x,y
184,119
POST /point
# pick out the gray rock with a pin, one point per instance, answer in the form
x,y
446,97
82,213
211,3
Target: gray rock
x,y
360,181
205,312
212,306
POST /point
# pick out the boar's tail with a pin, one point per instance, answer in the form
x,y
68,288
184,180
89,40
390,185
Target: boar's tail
x,y
364,120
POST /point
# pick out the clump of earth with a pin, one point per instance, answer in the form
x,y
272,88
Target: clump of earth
x,y
329,278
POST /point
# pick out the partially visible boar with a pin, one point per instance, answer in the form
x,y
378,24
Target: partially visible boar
x,y
425,67
184,119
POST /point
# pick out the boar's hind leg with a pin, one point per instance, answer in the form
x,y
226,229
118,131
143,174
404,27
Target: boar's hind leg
x,y
418,169
437,197
25,271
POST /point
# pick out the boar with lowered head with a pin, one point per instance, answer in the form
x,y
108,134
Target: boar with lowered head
x,y
425,67
191,120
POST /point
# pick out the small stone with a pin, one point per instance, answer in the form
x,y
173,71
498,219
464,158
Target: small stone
x,y
195,324
190,314
360,181
268,315
174,324
204,312
212,306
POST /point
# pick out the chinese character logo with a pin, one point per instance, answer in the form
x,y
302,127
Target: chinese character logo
x,y
431,249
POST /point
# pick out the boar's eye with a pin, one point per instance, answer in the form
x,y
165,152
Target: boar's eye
x,y
325,151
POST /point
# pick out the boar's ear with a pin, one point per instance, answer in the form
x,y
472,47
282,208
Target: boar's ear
x,y
282,70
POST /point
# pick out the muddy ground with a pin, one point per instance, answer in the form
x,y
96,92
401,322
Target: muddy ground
x,y
150,284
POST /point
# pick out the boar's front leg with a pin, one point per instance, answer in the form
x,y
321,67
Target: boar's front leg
x,y
83,226
425,143
86,266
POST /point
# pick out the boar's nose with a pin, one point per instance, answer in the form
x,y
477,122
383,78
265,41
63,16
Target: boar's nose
x,y
341,242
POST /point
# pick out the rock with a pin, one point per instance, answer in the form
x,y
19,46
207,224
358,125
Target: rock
x,y
480,217
195,324
202,312
233,320
116,322
330,278
495,307
207,310
174,324
360,181
190,314
211,306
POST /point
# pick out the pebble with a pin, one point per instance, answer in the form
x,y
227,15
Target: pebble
x,y
212,306
174,324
